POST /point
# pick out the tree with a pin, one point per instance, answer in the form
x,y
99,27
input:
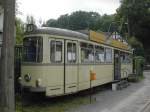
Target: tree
x,y
137,45
30,20
81,20
137,14
104,22
2,3
19,31
63,21
51,23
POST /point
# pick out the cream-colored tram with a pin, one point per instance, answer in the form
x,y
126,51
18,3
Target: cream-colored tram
x,y
58,61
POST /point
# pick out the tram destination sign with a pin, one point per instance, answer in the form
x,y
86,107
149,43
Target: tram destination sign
x,y
97,37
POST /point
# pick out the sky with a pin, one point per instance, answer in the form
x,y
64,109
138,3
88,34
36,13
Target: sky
x,y
47,9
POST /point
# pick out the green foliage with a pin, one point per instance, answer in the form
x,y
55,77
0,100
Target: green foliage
x,y
81,20
137,14
62,105
1,3
51,22
137,45
19,31
20,28
104,22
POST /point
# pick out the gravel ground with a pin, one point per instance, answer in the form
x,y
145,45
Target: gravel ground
x,y
135,98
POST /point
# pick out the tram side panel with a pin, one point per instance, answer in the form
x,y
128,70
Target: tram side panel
x,y
54,77
104,74
71,66
54,71
84,76
103,70
71,79
126,69
126,65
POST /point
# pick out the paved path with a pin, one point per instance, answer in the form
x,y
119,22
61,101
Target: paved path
x,y
135,98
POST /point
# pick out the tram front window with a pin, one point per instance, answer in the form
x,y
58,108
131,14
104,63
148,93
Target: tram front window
x,y
32,49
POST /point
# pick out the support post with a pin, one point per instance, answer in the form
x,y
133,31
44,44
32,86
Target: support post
x,y
7,97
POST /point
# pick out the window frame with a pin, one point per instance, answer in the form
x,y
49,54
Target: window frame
x,y
128,58
87,48
111,55
50,50
72,51
39,51
125,57
95,50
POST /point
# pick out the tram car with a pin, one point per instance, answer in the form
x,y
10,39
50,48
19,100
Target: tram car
x,y
59,61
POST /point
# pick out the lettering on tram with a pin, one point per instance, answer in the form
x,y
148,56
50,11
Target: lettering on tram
x,y
59,61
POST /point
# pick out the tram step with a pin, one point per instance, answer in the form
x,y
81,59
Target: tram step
x,y
122,84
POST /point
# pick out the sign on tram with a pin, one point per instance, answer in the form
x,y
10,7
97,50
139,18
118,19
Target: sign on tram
x,y
101,37
97,37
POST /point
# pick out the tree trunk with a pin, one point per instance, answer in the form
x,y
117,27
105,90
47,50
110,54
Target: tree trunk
x,y
7,99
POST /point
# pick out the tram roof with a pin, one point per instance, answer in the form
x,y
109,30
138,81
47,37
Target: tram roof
x,y
59,32
99,37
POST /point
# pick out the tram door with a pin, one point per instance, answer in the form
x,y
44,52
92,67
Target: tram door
x,y
71,66
117,65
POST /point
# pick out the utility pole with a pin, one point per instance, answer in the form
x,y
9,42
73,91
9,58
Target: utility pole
x,y
7,97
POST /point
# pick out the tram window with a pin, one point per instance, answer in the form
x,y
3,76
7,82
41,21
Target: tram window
x,y
108,55
74,52
99,54
56,51
123,59
32,49
128,58
71,52
87,53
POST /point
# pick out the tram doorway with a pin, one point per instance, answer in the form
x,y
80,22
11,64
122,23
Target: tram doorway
x,y
117,65
71,66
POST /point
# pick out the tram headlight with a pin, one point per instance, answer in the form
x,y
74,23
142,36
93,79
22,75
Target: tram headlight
x,y
19,80
27,77
38,82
